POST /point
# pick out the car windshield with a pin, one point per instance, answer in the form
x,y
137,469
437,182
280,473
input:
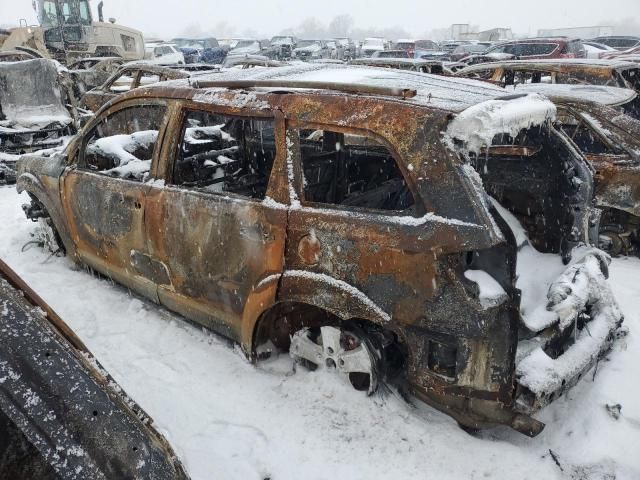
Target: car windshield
x,y
307,43
187,43
246,43
70,12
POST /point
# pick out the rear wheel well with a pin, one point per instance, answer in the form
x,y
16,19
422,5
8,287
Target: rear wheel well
x,y
281,321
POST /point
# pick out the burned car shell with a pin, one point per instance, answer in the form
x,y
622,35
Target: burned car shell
x,y
300,263
61,413
586,71
95,98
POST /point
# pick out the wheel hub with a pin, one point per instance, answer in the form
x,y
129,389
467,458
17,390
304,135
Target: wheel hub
x,y
340,350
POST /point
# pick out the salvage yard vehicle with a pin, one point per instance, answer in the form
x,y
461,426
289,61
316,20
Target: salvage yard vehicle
x,y
614,73
60,412
619,42
280,48
67,33
15,56
128,77
92,72
346,48
163,54
33,111
246,47
609,141
200,50
541,48
311,50
291,212
373,44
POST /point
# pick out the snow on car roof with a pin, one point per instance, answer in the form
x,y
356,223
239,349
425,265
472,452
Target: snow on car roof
x,y
439,92
552,63
612,96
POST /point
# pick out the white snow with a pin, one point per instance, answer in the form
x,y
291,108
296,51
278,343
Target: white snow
x,y
477,125
228,419
491,293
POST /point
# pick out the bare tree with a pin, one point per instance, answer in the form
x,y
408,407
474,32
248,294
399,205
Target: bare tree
x,y
340,26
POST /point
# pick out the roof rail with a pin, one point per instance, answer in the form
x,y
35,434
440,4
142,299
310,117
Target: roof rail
x,y
339,87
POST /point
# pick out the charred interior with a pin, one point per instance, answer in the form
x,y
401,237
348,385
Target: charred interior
x,y
352,170
533,176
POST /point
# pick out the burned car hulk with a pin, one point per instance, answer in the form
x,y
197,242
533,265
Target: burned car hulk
x,y
257,205
61,414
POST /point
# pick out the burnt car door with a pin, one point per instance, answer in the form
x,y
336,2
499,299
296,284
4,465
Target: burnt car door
x,y
104,195
210,224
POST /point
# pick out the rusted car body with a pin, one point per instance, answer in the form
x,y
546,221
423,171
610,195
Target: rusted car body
x,y
612,73
127,78
61,414
410,64
609,141
35,110
258,205
90,73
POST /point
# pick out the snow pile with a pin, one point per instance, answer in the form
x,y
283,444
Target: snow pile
x,y
478,125
583,284
491,293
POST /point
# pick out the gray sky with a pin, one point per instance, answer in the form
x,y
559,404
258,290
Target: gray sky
x,y
266,17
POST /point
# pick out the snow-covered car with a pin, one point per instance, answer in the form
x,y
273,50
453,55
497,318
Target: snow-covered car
x,y
619,42
373,44
246,47
34,110
597,50
346,48
343,223
128,77
311,50
92,72
200,50
280,47
163,54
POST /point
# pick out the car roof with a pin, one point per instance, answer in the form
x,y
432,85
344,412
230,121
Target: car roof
x,y
553,64
432,91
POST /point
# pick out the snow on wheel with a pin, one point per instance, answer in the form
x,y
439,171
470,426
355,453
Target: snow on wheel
x,y
345,351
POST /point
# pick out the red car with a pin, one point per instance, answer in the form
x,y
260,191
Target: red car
x,y
534,48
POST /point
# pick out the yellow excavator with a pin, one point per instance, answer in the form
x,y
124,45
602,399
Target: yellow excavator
x,y
67,32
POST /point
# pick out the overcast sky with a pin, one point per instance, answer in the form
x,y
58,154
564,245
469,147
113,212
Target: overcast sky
x,y
267,17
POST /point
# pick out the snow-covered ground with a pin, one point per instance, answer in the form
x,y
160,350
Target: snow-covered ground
x,y
228,419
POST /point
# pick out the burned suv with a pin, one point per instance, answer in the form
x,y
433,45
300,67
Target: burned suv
x,y
357,239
